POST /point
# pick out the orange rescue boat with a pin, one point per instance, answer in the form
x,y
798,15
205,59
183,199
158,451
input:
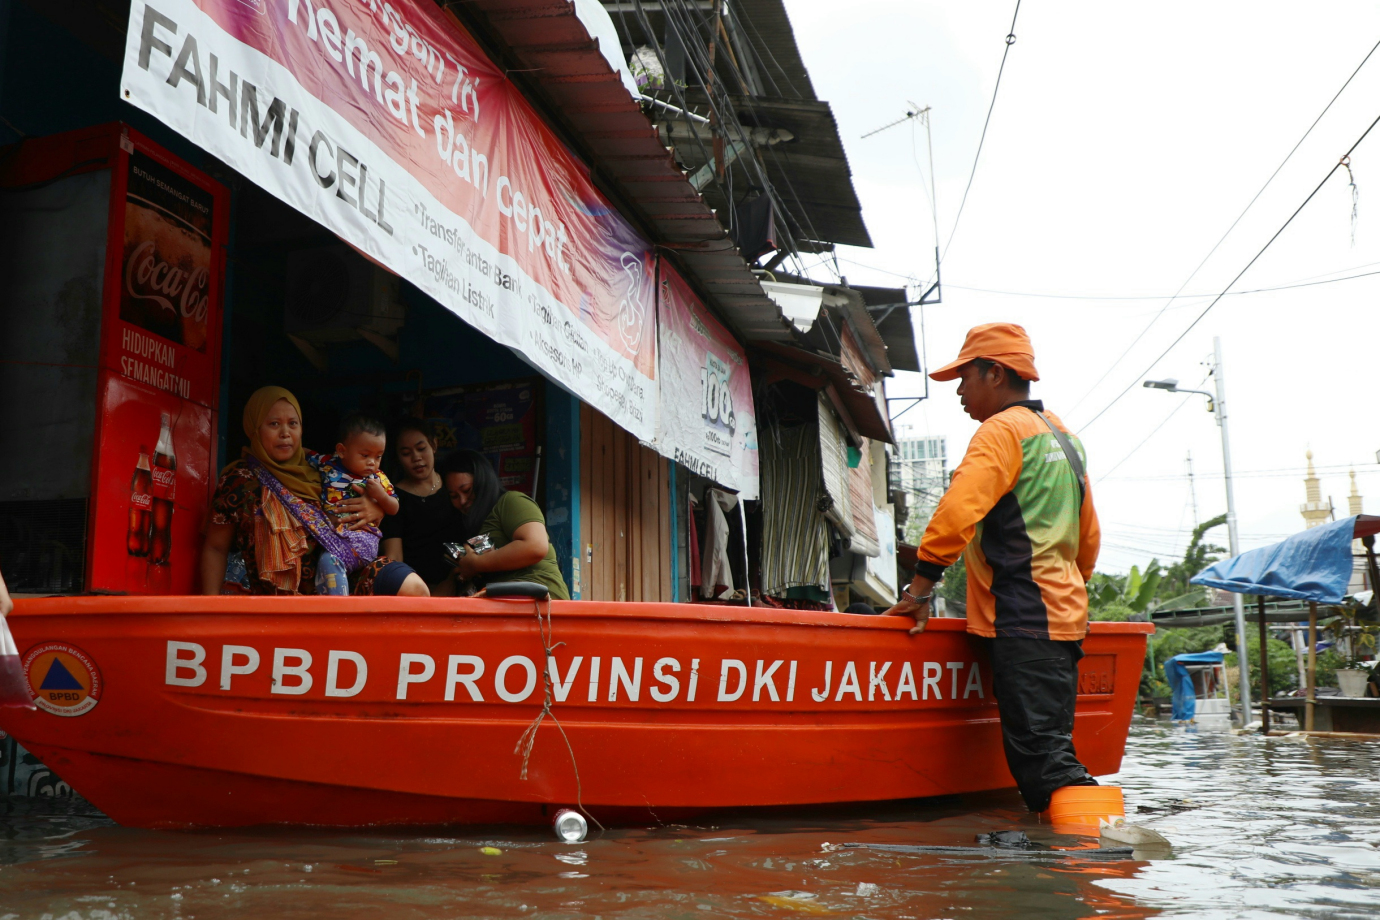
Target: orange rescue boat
x,y
234,711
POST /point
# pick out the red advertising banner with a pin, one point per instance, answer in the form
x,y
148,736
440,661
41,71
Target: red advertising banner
x,y
386,123
159,380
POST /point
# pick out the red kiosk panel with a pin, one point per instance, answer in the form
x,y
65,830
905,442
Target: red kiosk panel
x,y
159,372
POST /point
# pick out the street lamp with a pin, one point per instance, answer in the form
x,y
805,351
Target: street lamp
x,y
1217,404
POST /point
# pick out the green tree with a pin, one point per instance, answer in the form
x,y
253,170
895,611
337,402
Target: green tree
x,y
1104,589
1175,586
1113,612
1329,662
1132,591
1120,597
1157,586
1283,664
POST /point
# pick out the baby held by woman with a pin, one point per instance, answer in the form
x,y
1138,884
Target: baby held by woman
x,y
353,470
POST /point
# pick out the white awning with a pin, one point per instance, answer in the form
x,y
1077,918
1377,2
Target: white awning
x,y
599,24
799,303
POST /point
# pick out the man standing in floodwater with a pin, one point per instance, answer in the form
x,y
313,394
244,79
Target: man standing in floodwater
x,y
1019,508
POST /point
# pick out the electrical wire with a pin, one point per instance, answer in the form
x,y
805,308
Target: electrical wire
x,y
1312,281
767,48
666,75
1224,236
1262,290
1127,541
911,276
1346,157
1152,433
1250,474
1010,40
680,18
807,227
738,25
1151,534
699,59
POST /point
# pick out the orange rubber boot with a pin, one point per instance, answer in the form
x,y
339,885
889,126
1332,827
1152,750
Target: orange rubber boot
x,y
1078,809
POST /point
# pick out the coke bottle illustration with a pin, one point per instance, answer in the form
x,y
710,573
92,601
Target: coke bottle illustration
x,y
140,505
164,490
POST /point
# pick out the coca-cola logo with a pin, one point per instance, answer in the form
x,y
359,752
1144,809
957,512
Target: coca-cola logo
x,y
166,285
162,477
141,500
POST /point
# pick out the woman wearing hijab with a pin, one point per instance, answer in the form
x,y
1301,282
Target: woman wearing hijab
x,y
268,508
522,548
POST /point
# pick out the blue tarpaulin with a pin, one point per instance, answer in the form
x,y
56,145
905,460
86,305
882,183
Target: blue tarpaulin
x,y
1181,682
1311,566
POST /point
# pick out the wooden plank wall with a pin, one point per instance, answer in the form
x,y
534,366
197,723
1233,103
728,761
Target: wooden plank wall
x,y
625,515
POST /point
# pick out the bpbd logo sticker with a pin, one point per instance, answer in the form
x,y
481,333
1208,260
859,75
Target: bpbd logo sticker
x,y
62,678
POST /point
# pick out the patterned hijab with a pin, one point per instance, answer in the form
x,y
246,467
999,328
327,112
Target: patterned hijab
x,y
295,473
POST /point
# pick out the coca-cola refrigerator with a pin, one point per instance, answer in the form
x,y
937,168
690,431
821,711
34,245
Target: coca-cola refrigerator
x,y
159,377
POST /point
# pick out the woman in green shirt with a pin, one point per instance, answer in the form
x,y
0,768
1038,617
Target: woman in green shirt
x,y
522,548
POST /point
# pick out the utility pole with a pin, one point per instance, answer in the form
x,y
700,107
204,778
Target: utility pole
x,y
1192,492
1217,404
1220,404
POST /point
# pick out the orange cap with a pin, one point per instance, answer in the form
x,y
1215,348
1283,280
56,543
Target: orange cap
x,y
1002,343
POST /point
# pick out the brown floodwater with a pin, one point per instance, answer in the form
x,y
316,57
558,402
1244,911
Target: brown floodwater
x,y
1260,827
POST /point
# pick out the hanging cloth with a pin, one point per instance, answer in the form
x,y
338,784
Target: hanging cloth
x,y
716,569
695,579
280,542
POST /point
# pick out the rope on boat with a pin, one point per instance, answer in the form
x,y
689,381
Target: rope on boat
x,y
528,739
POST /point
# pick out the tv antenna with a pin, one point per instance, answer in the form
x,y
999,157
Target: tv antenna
x,y
915,111
923,114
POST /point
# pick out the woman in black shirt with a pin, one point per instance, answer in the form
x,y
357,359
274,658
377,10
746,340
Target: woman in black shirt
x,y
425,518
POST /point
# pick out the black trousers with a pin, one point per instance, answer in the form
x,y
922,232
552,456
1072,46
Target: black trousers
x,y
1036,684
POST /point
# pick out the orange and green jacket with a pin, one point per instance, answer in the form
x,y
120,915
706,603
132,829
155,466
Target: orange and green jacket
x,y
1013,508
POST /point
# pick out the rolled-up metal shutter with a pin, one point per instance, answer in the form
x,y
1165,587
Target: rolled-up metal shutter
x,y
836,503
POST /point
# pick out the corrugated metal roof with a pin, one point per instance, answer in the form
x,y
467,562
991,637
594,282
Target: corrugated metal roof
x,y
556,61
864,410
886,334
864,332
768,29
811,174
894,324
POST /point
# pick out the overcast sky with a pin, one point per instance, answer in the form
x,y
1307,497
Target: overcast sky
x,y
1125,141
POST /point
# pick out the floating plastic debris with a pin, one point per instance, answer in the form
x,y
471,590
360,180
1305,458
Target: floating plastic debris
x,y
802,901
1131,834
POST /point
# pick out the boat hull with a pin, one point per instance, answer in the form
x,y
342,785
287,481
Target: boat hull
x,y
222,712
